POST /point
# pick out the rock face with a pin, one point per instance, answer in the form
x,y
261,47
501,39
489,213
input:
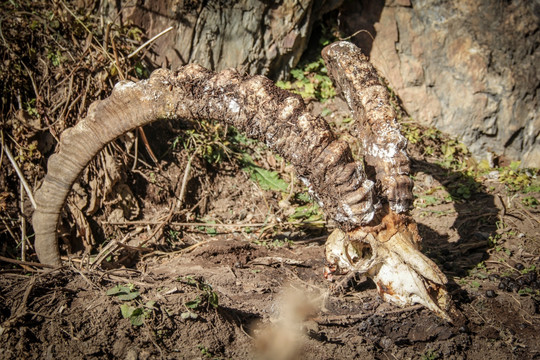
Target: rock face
x,y
256,36
468,67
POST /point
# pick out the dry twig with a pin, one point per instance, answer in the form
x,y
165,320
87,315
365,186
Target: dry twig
x,y
19,173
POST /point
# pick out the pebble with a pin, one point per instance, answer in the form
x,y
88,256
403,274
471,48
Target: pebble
x,y
512,286
491,293
493,174
386,343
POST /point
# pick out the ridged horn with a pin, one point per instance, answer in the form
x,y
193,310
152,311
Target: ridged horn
x,y
375,125
253,104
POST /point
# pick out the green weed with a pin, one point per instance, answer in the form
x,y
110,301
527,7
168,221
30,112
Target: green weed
x,y
205,352
530,201
309,213
205,299
518,179
529,269
133,309
55,57
207,139
310,82
267,179
210,230
173,236
426,200
430,355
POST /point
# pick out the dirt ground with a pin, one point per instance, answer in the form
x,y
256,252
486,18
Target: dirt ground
x,y
240,292
191,253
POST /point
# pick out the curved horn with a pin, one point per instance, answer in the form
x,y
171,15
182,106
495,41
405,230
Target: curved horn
x,y
252,104
376,127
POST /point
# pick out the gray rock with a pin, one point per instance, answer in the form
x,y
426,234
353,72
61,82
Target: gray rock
x,y
468,67
258,37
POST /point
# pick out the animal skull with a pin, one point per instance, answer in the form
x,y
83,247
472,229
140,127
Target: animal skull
x,y
389,254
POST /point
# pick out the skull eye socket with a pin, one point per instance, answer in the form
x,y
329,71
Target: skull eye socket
x,y
364,250
359,252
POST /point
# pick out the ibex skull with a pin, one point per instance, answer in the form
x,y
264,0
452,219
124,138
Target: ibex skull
x,y
391,258
352,192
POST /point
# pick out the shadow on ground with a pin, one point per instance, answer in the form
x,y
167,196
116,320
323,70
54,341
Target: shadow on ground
x,y
456,246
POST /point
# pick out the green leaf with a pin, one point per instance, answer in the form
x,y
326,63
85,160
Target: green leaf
x,y
514,165
118,289
188,315
126,310
137,318
211,230
128,296
298,74
309,90
284,85
193,304
326,112
213,299
268,180
314,66
150,305
135,315
303,212
525,291
304,197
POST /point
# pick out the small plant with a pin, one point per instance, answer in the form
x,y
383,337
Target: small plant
x,y
463,188
426,200
208,139
30,107
136,315
530,201
307,213
173,236
267,179
207,298
212,231
310,82
205,352
531,268
124,292
526,291
133,309
430,355
517,179
55,57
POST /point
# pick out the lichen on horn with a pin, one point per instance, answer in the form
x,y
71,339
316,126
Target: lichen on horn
x,y
375,125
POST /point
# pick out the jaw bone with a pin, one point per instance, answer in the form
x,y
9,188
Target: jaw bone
x,y
389,255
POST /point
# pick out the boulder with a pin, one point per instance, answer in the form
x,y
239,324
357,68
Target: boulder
x,y
256,36
468,67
